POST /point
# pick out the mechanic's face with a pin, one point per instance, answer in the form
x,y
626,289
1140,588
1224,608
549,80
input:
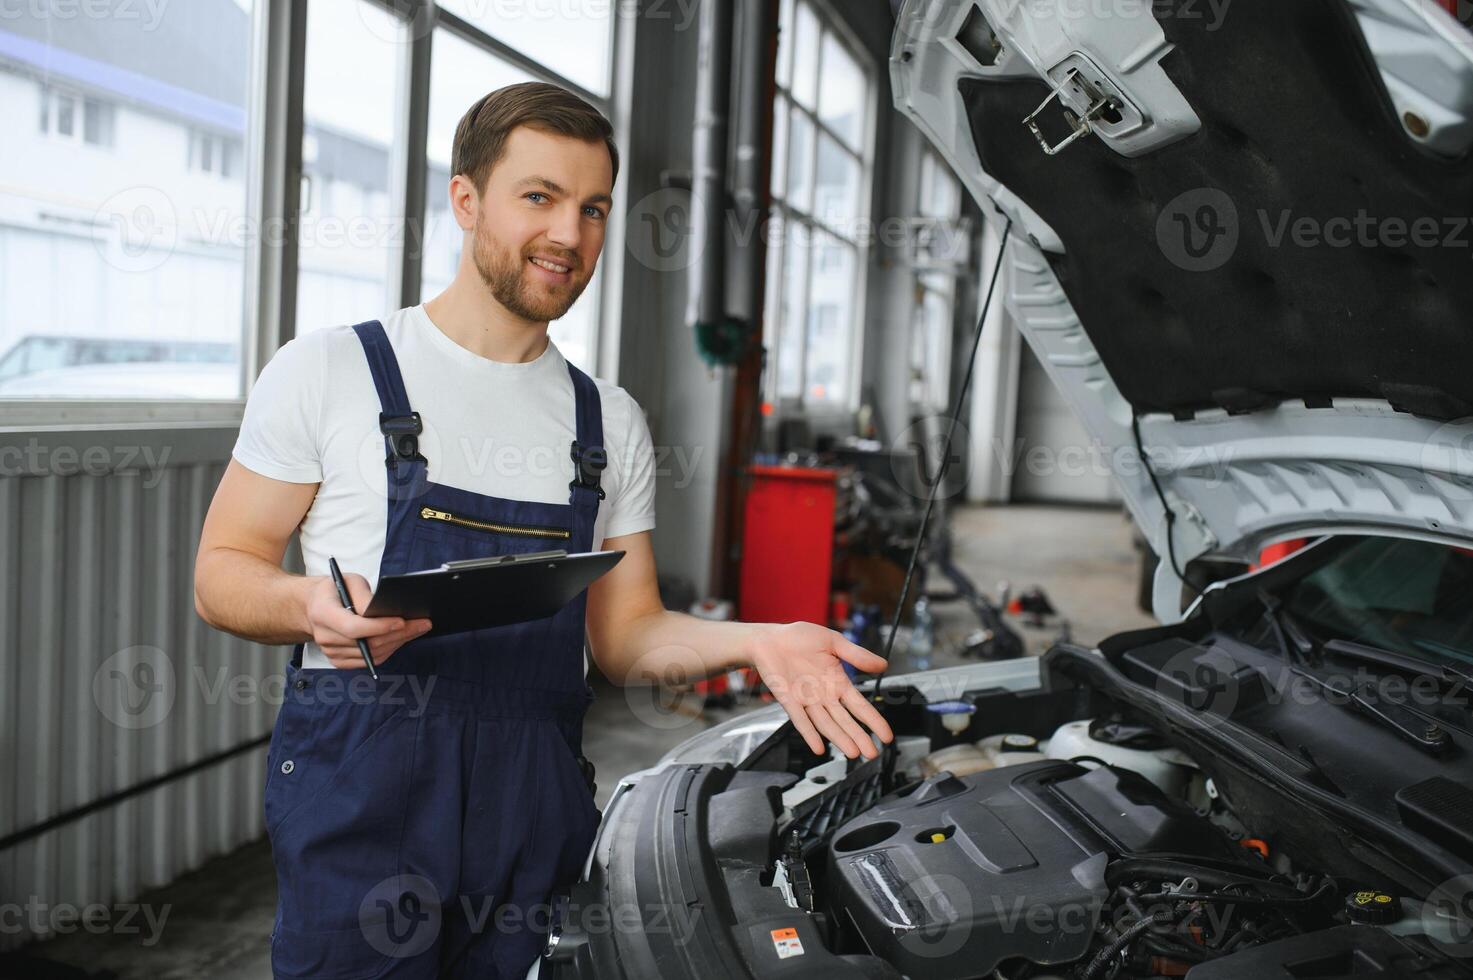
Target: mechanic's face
x,y
541,222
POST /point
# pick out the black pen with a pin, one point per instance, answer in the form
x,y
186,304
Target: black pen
x,y
347,600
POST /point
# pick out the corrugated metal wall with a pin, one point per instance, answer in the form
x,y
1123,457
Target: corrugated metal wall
x,y
108,679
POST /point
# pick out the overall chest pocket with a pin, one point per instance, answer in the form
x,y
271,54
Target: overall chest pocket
x,y
480,525
444,535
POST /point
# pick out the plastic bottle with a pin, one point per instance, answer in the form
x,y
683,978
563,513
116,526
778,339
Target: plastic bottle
x,y
922,635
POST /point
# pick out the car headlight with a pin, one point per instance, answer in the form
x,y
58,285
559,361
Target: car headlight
x,y
729,742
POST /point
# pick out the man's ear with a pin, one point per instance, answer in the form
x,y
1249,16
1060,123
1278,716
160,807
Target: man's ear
x,y
465,202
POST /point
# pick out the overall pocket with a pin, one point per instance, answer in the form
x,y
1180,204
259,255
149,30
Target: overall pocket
x,y
439,536
337,819
322,740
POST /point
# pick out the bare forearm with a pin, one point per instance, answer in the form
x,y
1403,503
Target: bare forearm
x,y
246,595
673,648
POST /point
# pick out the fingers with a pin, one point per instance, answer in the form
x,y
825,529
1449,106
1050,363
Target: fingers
x,y
831,729
382,647
860,707
333,624
863,744
339,625
343,651
840,718
857,655
805,727
358,590
839,723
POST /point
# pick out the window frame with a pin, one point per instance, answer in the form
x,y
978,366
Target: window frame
x,y
785,106
51,97
922,280
220,148
271,164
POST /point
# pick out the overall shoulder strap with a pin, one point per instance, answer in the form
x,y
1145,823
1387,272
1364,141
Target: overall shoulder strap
x,y
589,457
385,367
400,424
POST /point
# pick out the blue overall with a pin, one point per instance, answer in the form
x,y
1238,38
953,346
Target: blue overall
x,y
421,824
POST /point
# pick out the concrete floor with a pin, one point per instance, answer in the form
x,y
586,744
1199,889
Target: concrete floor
x,y
219,919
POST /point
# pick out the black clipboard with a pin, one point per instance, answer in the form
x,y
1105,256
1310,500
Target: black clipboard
x,y
479,593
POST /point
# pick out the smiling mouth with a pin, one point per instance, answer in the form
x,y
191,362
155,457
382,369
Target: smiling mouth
x,y
549,265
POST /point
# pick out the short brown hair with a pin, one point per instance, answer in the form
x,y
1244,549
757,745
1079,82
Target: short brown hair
x,y
480,137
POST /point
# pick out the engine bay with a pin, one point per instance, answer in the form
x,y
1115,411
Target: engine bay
x,y
1163,806
1096,851
1042,833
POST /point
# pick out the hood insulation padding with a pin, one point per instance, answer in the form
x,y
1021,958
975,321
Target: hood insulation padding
x,y
1298,134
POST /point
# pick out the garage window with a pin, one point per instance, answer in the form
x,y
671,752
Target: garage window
x,y
940,236
822,163
122,249
573,38
162,279
346,255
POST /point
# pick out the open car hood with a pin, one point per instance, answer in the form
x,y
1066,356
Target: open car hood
x,y
1258,249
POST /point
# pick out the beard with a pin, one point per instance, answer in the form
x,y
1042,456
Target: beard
x,y
505,274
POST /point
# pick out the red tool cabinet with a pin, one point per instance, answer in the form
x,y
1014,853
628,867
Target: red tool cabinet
x,y
788,545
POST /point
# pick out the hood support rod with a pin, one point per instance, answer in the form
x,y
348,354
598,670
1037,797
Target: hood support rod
x,y
887,770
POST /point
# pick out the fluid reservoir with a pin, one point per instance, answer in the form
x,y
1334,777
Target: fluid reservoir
x,y
1011,750
959,760
1170,769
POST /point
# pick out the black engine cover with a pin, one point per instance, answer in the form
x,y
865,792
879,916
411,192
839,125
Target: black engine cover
x,y
952,878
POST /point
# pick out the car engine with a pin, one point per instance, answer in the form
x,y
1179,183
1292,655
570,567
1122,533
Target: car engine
x,y
1077,856
1042,862
1011,834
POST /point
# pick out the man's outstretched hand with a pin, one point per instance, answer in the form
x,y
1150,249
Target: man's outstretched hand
x,y
802,664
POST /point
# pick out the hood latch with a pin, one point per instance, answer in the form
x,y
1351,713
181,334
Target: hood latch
x,y
1074,87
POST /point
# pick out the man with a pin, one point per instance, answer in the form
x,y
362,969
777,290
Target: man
x,y
464,792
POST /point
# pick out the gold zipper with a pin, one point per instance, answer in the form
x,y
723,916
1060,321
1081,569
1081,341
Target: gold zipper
x,y
525,530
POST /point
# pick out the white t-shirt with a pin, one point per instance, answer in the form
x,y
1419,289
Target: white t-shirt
x,y
490,427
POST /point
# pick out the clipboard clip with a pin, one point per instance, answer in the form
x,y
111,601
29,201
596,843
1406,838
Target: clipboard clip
x,y
588,466
403,432
466,564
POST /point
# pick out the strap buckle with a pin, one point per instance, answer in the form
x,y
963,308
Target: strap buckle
x,y
403,432
588,463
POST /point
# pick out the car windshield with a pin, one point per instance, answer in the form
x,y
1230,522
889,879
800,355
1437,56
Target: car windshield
x,y
1409,597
